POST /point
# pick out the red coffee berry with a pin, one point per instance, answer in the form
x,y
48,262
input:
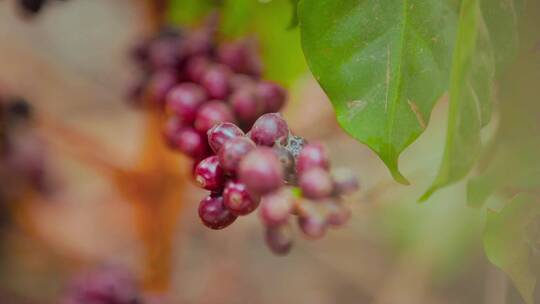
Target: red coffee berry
x,y
240,57
237,199
165,53
241,81
261,171
316,183
214,214
312,155
269,129
184,100
160,84
211,113
276,207
233,151
209,175
246,105
216,81
220,133
189,142
272,95
196,67
279,239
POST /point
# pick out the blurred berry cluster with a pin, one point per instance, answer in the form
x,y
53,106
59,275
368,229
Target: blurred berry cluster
x,y
103,286
225,117
32,7
22,155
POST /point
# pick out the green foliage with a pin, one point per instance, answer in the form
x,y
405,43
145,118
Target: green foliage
x,y
384,64
471,94
506,243
511,161
189,12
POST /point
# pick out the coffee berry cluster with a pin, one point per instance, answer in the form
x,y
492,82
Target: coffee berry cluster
x,y
226,118
277,172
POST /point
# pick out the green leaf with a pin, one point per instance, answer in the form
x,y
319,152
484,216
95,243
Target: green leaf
x,y
237,15
506,242
383,63
294,17
280,47
512,164
471,94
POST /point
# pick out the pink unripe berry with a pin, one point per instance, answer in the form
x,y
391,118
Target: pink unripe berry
x,y
214,214
311,156
209,175
261,171
276,207
336,214
316,183
269,129
311,221
345,182
279,239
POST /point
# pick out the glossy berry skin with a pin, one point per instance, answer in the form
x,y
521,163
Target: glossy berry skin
x,y
160,85
279,239
261,171
276,207
313,155
214,214
269,129
246,105
233,151
272,95
209,175
237,199
216,81
211,113
220,133
316,183
184,100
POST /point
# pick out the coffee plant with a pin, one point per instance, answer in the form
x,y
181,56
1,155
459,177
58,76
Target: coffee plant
x,y
215,76
385,65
